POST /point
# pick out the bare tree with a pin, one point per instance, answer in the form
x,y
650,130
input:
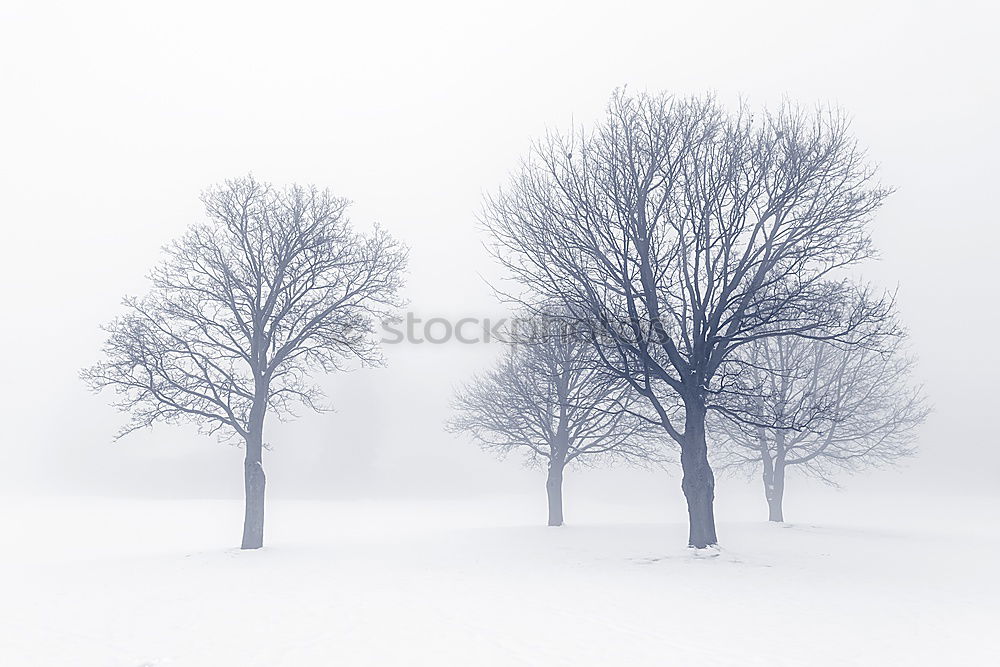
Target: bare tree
x,y
681,232
551,399
830,407
244,306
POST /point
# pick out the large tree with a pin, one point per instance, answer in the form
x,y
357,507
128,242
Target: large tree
x,y
273,285
679,232
551,398
820,407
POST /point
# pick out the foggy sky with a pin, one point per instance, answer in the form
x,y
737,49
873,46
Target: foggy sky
x,y
115,116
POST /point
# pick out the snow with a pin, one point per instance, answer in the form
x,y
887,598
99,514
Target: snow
x,y
141,582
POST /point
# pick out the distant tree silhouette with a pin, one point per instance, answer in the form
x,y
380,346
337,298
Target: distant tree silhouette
x,y
551,398
820,407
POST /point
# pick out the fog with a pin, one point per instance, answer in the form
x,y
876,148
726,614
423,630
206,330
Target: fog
x,y
116,115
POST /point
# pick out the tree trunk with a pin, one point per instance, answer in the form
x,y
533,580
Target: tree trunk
x,y
774,491
253,518
773,473
253,477
553,487
699,482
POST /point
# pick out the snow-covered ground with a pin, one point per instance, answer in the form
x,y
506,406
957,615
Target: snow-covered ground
x,y
139,582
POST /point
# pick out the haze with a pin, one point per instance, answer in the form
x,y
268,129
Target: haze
x,y
116,116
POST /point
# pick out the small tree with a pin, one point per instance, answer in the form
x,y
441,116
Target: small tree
x,y
551,399
820,407
243,307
